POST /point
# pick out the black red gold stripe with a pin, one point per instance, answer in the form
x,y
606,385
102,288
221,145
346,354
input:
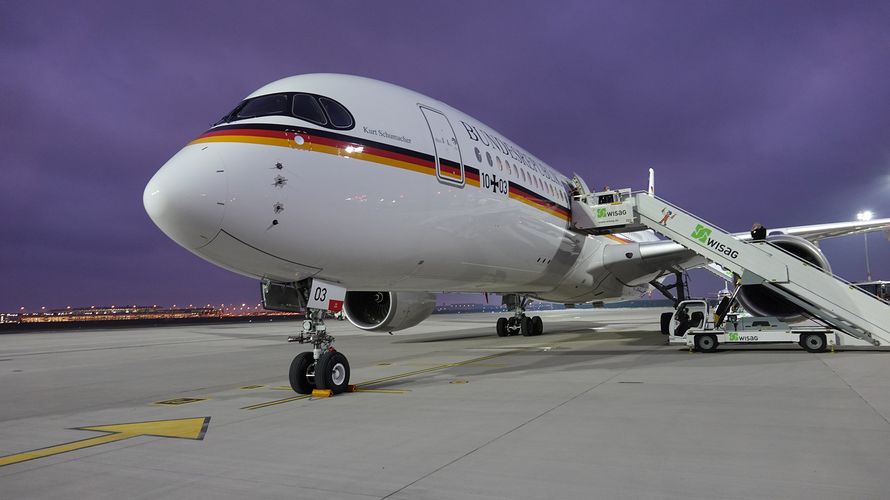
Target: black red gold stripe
x,y
324,141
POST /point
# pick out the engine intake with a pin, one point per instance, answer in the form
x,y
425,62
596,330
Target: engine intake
x,y
388,311
760,301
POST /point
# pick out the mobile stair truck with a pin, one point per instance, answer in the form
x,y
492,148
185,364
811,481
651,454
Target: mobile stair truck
x,y
825,298
691,326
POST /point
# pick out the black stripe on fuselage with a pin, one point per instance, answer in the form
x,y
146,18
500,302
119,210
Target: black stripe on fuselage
x,y
370,143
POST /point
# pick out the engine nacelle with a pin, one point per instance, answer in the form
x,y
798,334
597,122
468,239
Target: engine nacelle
x,y
760,301
388,311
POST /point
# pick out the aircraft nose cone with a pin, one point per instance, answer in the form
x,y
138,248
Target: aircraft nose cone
x,y
186,197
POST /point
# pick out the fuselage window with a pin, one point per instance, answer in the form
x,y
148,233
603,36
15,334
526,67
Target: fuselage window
x,y
305,107
500,165
488,157
478,155
339,117
274,104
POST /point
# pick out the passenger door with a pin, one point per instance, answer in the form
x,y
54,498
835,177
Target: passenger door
x,y
449,164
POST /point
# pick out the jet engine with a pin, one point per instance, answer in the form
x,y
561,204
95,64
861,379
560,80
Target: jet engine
x,y
388,311
760,301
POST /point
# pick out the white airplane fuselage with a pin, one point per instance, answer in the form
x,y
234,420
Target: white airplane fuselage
x,y
415,196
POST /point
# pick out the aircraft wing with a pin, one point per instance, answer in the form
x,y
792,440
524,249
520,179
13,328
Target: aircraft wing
x,y
667,256
818,232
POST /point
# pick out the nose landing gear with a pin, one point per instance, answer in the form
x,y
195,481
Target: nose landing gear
x,y
519,322
324,367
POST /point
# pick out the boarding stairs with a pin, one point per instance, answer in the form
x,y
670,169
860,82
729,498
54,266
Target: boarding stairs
x,y
826,297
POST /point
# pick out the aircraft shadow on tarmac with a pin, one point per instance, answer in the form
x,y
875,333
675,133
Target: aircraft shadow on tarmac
x,y
624,356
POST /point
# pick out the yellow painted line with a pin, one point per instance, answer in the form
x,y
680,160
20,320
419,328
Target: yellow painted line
x,y
183,428
179,401
437,368
381,391
249,387
360,387
390,378
276,402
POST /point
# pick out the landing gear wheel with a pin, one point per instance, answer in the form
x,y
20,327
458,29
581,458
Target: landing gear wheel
x,y
526,326
537,325
813,342
666,323
502,327
299,373
332,372
706,342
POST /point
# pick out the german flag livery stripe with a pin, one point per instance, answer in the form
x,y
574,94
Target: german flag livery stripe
x,y
323,141
619,239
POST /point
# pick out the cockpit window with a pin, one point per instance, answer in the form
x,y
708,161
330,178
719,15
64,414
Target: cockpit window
x,y
274,104
340,117
313,108
306,108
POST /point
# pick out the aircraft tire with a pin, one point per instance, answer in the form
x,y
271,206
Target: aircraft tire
x,y
299,367
666,323
706,342
527,327
502,327
332,372
538,325
813,342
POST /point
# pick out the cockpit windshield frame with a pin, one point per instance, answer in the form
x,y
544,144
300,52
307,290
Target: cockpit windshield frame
x,y
321,105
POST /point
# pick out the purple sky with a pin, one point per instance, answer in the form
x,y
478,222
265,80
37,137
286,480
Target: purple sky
x,y
777,112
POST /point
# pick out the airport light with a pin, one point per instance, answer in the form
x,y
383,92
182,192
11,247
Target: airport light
x,y
865,216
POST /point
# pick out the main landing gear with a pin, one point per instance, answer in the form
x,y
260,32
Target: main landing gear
x,y
324,367
519,323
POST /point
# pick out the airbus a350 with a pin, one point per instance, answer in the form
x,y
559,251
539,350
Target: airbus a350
x,y
322,183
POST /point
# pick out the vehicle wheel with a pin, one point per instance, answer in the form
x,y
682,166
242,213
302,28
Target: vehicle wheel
x,y
666,323
526,326
502,327
813,342
706,342
332,372
538,325
299,370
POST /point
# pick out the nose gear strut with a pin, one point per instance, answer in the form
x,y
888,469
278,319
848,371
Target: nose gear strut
x,y
324,367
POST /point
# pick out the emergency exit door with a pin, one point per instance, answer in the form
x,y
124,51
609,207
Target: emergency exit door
x,y
449,164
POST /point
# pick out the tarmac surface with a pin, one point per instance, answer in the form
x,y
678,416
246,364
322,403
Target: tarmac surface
x,y
597,407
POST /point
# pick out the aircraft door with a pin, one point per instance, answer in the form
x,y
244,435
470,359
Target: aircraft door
x,y
449,164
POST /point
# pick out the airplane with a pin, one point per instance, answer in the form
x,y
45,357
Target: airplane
x,y
386,196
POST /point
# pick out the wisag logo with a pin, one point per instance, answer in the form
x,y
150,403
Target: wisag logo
x,y
600,212
703,233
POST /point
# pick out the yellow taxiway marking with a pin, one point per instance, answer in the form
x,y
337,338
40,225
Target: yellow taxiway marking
x,y
276,402
360,387
381,391
183,428
179,401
